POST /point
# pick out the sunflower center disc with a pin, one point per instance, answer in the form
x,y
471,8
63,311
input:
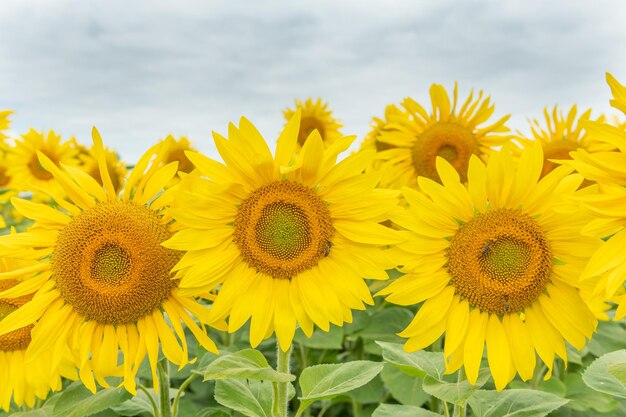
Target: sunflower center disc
x,y
17,339
308,125
556,150
4,178
283,228
38,170
109,264
500,261
453,142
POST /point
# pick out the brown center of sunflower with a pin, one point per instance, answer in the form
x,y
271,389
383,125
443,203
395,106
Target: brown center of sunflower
x,y
308,125
109,264
178,155
4,178
556,150
453,142
17,339
283,228
38,170
500,261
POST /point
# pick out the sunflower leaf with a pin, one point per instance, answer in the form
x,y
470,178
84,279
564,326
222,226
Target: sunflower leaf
x,y
250,398
599,376
417,364
404,388
454,392
78,401
516,402
245,364
394,410
321,382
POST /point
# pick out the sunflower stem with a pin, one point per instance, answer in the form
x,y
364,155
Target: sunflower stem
x,y
181,390
163,371
282,365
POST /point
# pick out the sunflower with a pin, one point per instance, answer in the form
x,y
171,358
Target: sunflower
x,y
89,164
5,123
102,280
494,263
288,240
17,383
315,116
561,135
609,170
409,145
24,165
176,153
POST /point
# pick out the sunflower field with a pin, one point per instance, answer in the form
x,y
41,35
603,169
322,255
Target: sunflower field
x,y
445,266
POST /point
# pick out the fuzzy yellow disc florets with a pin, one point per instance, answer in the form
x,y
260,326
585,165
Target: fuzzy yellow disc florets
x,y
109,264
17,339
283,228
500,261
453,142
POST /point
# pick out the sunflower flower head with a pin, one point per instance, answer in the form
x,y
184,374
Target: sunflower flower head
x,y
101,279
25,167
89,164
177,153
315,115
409,146
5,122
494,264
609,170
561,134
287,239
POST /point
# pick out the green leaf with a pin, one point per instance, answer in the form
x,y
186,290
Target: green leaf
x,y
320,339
370,393
609,337
212,412
387,323
245,364
40,412
140,403
454,392
405,388
394,410
327,381
518,403
598,377
618,370
584,398
78,401
418,363
251,398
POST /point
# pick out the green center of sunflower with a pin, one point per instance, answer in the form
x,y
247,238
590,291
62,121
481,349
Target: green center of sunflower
x,y
282,229
6,309
108,262
308,125
453,142
500,261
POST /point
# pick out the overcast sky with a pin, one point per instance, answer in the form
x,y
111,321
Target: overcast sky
x,y
139,70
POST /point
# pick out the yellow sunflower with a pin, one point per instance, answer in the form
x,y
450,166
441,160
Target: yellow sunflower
x,y
315,116
23,382
5,123
102,280
288,240
176,153
409,146
89,164
494,264
24,165
609,170
561,135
